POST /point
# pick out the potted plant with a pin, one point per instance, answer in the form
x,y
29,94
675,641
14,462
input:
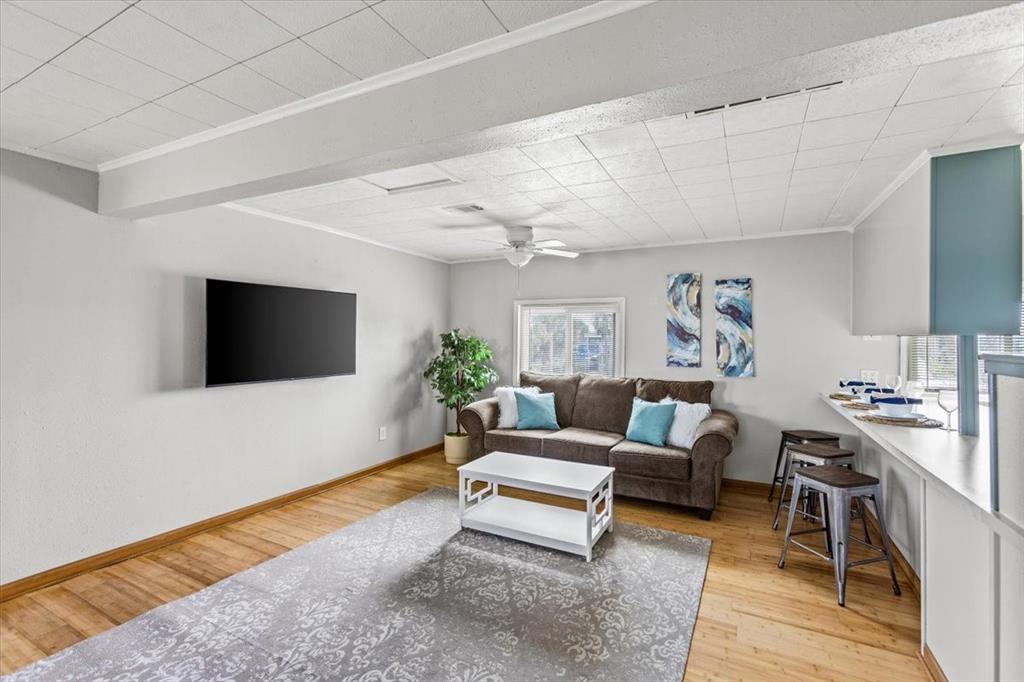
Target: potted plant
x,y
457,375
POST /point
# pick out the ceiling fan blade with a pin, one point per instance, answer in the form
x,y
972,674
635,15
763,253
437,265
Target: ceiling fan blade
x,y
548,243
558,252
473,226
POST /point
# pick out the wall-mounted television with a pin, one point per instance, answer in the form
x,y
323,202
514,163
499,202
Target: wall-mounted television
x,y
260,332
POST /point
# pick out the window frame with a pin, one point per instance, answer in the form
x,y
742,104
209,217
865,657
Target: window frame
x,y
619,343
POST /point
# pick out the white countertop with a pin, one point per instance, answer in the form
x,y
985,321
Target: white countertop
x,y
960,463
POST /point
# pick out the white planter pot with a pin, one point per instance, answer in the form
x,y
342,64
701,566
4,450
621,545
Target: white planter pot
x,y
456,448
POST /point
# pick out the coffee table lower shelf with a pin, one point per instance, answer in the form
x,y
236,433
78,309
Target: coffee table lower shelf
x,y
533,522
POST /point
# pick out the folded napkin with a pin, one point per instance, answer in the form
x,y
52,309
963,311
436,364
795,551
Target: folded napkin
x,y
843,383
896,400
879,390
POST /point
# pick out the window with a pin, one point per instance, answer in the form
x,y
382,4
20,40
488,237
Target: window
x,y
569,336
932,359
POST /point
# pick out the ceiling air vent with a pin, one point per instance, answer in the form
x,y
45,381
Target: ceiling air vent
x,y
463,208
733,105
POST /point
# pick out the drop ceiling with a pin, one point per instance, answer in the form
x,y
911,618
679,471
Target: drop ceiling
x,y
89,82
803,161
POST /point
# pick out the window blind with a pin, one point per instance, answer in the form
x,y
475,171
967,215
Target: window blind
x,y
564,339
933,358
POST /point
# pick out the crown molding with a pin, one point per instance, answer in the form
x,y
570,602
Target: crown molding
x,y
505,41
324,228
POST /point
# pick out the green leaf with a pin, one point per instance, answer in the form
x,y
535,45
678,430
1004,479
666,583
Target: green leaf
x,y
460,371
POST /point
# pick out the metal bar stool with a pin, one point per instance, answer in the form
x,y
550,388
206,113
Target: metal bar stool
x,y
793,436
840,486
809,454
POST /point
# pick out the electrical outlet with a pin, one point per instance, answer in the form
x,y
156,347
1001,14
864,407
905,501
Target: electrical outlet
x,y
869,375
382,433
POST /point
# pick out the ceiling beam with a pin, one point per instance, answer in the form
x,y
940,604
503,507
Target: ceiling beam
x,y
577,74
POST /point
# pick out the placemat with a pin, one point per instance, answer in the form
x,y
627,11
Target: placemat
x,y
879,419
859,406
842,396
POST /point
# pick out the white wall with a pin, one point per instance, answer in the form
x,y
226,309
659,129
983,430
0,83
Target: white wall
x,y
892,262
107,435
802,340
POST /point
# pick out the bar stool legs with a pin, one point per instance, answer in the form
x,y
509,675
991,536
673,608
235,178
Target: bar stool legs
x,y
838,489
775,471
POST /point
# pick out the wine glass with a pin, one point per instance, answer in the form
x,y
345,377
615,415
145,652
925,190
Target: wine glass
x,y
949,401
914,389
893,381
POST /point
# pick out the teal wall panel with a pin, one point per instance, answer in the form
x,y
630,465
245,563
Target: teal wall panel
x,y
976,242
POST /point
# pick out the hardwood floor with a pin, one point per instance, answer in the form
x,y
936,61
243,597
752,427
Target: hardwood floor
x,y
755,621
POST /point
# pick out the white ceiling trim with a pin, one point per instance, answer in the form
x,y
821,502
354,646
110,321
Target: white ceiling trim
x,y
324,228
505,41
904,175
689,242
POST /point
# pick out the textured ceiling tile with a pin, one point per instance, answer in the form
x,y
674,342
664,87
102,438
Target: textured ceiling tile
x,y
773,113
677,130
15,65
859,95
152,42
518,13
833,132
84,92
618,141
24,100
246,88
163,120
203,106
910,143
909,118
826,156
696,176
991,130
301,69
92,147
364,45
695,154
633,164
302,16
229,26
763,166
579,173
646,182
596,189
764,143
18,130
30,35
1006,102
964,74
439,26
80,16
558,152
103,65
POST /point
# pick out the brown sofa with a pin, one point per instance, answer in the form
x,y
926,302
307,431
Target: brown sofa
x,y
594,412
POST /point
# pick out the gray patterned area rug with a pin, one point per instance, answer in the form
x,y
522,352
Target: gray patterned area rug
x,y
405,595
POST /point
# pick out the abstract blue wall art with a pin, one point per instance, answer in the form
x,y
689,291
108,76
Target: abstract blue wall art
x,y
683,299
734,327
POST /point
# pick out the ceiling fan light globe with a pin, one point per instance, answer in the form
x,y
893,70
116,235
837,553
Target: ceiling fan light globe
x,y
519,257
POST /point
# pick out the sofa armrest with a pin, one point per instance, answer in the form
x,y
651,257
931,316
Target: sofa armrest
x,y
715,436
478,418
713,443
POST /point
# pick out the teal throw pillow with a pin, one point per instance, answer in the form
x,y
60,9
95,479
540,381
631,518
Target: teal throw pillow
x,y
536,410
650,422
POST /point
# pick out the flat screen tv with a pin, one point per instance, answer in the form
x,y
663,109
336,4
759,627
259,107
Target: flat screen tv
x,y
259,332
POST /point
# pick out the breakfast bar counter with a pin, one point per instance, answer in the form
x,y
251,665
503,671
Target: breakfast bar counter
x,y
968,559
958,463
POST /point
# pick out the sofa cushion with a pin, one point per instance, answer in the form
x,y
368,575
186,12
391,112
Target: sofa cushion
x,y
562,385
580,445
641,459
525,442
653,390
603,403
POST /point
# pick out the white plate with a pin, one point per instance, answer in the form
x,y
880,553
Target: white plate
x,y
912,417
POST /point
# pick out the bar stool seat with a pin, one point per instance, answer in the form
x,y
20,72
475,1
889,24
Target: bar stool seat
x,y
840,486
809,454
794,436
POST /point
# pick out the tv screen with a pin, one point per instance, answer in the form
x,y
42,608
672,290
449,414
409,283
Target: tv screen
x,y
258,332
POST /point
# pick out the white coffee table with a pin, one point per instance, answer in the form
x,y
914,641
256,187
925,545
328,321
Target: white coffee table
x,y
535,522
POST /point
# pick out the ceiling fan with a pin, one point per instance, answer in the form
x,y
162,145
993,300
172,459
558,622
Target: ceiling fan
x,y
519,247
